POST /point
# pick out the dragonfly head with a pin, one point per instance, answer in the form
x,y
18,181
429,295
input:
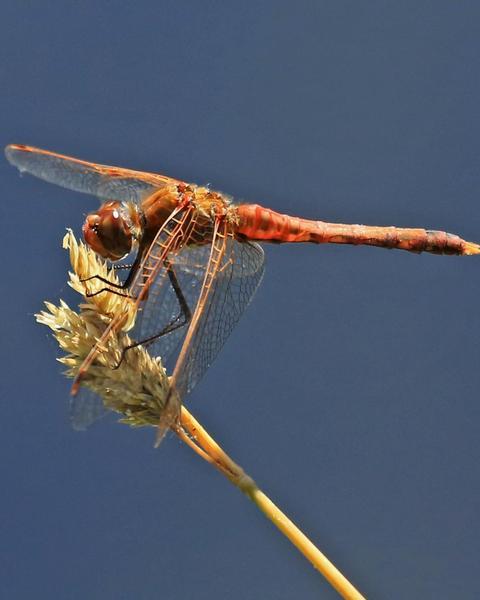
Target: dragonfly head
x,y
108,231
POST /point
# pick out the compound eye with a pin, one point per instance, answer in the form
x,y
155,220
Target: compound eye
x,y
107,232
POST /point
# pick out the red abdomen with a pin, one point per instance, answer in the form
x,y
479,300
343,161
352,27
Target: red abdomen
x,y
259,223
263,224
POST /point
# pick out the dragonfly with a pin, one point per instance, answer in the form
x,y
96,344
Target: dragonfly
x,y
198,261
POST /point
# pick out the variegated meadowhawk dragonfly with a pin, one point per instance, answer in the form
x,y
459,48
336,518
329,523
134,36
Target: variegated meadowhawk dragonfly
x,y
198,262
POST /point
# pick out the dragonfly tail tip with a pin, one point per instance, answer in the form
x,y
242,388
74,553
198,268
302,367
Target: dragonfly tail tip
x,y
471,248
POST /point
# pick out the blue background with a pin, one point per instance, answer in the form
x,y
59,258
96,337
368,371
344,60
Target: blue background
x,y
349,391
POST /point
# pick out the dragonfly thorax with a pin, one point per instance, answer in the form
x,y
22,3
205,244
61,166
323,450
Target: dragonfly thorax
x,y
110,232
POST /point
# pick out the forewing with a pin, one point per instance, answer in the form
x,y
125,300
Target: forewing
x,y
81,176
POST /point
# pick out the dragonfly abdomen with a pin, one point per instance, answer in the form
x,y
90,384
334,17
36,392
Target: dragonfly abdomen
x,y
263,224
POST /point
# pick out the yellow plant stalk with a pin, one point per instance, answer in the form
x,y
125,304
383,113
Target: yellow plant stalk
x,y
137,389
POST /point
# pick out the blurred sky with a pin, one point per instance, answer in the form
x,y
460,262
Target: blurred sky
x,y
349,390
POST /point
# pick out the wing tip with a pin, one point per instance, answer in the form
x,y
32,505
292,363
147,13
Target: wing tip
x,y
12,151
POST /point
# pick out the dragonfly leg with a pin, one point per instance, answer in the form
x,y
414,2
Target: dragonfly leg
x,y
110,290
118,286
182,319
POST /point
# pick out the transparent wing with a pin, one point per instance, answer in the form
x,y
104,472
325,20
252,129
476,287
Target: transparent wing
x,y
86,408
163,307
81,176
238,276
